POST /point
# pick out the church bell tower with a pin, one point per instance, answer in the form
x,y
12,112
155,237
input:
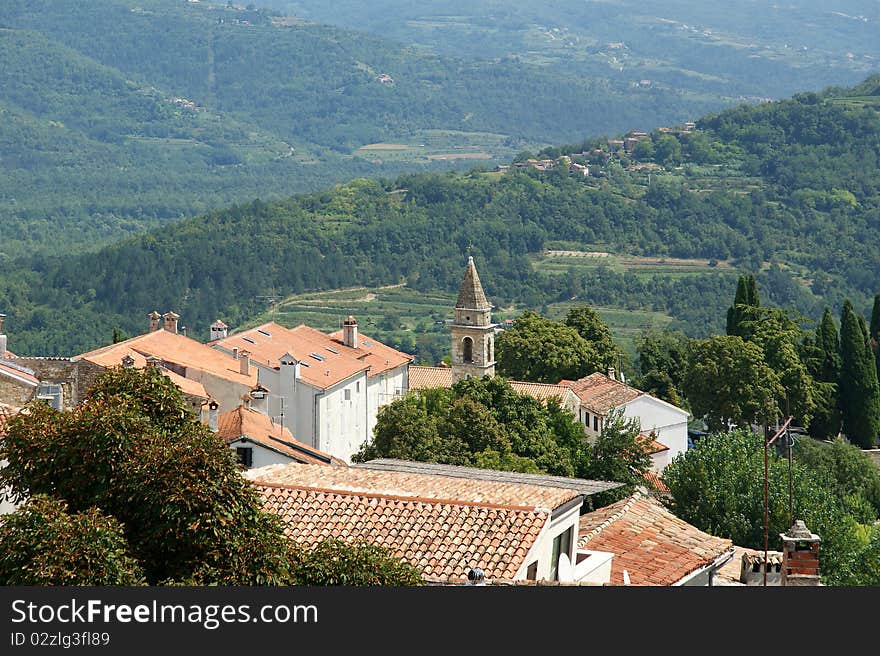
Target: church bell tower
x,y
473,333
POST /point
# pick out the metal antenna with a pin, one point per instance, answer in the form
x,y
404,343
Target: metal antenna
x,y
782,430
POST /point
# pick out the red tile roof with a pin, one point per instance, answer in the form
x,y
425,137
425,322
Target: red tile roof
x,y
444,539
416,485
19,373
600,394
179,349
252,425
653,479
429,377
654,546
269,342
540,391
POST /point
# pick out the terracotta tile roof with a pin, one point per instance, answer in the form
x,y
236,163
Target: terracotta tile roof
x,y
654,546
653,479
415,485
600,394
18,373
650,444
269,342
429,377
187,386
582,485
175,348
379,356
540,391
441,538
252,425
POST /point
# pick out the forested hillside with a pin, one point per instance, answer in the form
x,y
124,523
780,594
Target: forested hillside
x,y
788,190
119,115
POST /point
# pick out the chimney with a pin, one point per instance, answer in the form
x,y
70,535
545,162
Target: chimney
x,y
153,361
235,352
128,361
244,363
154,320
611,373
218,330
213,415
350,332
289,372
800,556
260,400
2,337
171,321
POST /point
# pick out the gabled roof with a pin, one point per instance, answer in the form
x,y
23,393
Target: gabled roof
x,y
654,546
269,342
379,356
540,391
187,386
249,424
582,485
470,294
178,349
442,538
429,377
600,394
416,485
21,374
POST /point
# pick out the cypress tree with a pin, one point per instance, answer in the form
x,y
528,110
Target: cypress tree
x,y
874,332
752,291
859,390
826,419
746,297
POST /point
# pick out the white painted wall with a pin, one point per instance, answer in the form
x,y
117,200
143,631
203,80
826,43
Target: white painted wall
x,y
260,454
542,550
382,390
667,422
343,417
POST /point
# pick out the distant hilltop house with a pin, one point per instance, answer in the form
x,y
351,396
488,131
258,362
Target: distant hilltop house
x,y
384,78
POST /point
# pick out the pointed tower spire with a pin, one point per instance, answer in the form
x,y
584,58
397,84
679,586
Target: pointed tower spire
x,y
470,294
473,333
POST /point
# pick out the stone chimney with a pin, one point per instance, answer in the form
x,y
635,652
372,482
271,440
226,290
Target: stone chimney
x,y
218,330
800,556
171,321
611,373
2,337
350,332
154,320
153,361
244,363
260,400
213,415
128,361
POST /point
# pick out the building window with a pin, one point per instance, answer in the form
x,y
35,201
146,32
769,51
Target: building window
x,y
561,545
348,394
532,572
467,349
587,420
596,423
357,387
245,456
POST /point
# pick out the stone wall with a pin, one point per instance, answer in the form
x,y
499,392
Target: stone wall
x,y
74,376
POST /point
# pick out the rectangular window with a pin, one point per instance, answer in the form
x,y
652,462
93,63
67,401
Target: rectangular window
x,y
596,423
532,571
357,387
348,394
245,456
561,545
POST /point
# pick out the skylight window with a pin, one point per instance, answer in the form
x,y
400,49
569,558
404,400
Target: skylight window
x,y
367,342
248,339
333,350
318,357
263,332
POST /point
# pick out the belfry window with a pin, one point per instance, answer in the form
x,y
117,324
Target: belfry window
x,y
467,349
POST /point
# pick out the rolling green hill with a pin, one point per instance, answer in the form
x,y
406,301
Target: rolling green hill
x,y
789,190
119,115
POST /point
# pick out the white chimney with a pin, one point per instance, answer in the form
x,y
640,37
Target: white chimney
x,y
218,330
350,332
611,373
213,415
244,363
235,352
260,400
289,372
2,337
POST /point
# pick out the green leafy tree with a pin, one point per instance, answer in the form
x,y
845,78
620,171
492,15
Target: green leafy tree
x,y
718,486
728,382
334,562
619,455
663,358
859,389
136,451
42,544
589,325
544,351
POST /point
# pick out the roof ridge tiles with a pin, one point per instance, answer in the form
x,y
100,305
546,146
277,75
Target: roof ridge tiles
x,y
399,497
624,509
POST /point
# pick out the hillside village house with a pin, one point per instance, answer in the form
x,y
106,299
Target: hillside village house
x,y
443,520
